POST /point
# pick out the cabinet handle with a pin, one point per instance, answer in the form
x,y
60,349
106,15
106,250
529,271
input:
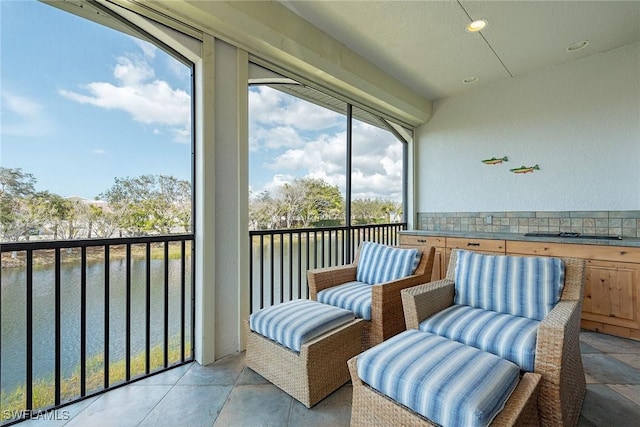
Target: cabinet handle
x,y
422,241
473,244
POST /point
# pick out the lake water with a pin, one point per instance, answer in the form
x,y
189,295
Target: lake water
x,y
13,302
282,276
290,256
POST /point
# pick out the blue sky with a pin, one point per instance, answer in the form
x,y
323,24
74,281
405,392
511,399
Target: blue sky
x,y
79,111
83,104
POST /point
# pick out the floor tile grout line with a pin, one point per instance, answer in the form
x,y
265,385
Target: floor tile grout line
x,y
291,403
233,387
620,394
81,411
165,395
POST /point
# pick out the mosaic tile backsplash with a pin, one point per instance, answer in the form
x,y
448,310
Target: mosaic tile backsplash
x,y
618,223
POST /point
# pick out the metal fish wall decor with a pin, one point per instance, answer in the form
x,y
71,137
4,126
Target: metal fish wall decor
x,y
525,169
495,161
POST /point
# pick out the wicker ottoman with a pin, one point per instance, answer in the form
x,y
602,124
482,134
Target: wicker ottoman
x,y
459,385
312,367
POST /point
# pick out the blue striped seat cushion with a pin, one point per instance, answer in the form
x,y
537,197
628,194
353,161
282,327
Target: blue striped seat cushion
x,y
352,296
509,337
293,323
522,286
380,263
447,382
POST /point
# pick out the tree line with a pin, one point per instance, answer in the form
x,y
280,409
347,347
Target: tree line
x,y
309,202
149,204
160,204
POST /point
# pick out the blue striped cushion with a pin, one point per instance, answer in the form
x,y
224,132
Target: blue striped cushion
x,y
522,286
380,263
447,382
293,323
352,296
510,337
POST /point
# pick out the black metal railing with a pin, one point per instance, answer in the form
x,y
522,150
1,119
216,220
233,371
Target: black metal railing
x,y
279,259
119,310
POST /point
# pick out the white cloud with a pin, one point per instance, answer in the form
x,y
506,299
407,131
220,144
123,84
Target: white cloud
x,y
178,69
23,116
99,152
21,105
148,50
274,138
294,138
323,156
137,92
181,135
271,107
276,182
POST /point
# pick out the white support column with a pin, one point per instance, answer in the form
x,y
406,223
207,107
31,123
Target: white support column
x,y
205,333
231,194
242,72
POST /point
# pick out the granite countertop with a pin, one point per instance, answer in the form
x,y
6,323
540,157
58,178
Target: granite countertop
x,y
625,241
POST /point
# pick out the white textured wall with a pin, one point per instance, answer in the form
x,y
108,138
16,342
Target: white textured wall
x,y
579,121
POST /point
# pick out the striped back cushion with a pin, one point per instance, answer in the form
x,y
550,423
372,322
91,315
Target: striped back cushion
x,y
522,286
380,263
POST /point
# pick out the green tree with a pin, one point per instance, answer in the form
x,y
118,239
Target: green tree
x,y
150,204
321,201
101,222
59,214
264,212
306,201
371,211
290,201
17,190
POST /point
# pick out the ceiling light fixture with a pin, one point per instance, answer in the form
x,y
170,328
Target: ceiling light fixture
x,y
470,80
577,45
477,25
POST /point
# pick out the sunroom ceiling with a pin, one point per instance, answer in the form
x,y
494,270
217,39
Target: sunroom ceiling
x,y
425,45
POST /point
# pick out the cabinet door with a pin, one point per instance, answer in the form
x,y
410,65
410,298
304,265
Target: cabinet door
x,y
611,298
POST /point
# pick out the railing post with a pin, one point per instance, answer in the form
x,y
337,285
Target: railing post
x,y
32,282
331,246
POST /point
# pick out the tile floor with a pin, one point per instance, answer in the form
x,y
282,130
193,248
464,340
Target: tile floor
x,y
226,393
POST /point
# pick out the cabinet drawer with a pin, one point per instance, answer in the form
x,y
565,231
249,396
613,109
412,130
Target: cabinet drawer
x,y
476,244
413,240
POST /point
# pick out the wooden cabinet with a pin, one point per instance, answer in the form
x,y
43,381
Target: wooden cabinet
x,y
611,301
439,266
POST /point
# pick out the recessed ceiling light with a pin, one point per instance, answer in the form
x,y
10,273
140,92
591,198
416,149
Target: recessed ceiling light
x,y
577,45
477,25
470,80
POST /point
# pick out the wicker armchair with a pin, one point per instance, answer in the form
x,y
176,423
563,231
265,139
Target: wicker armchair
x,y
387,318
557,352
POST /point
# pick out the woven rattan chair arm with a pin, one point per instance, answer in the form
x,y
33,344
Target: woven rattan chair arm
x,y
558,361
323,278
387,317
574,271
561,325
423,301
